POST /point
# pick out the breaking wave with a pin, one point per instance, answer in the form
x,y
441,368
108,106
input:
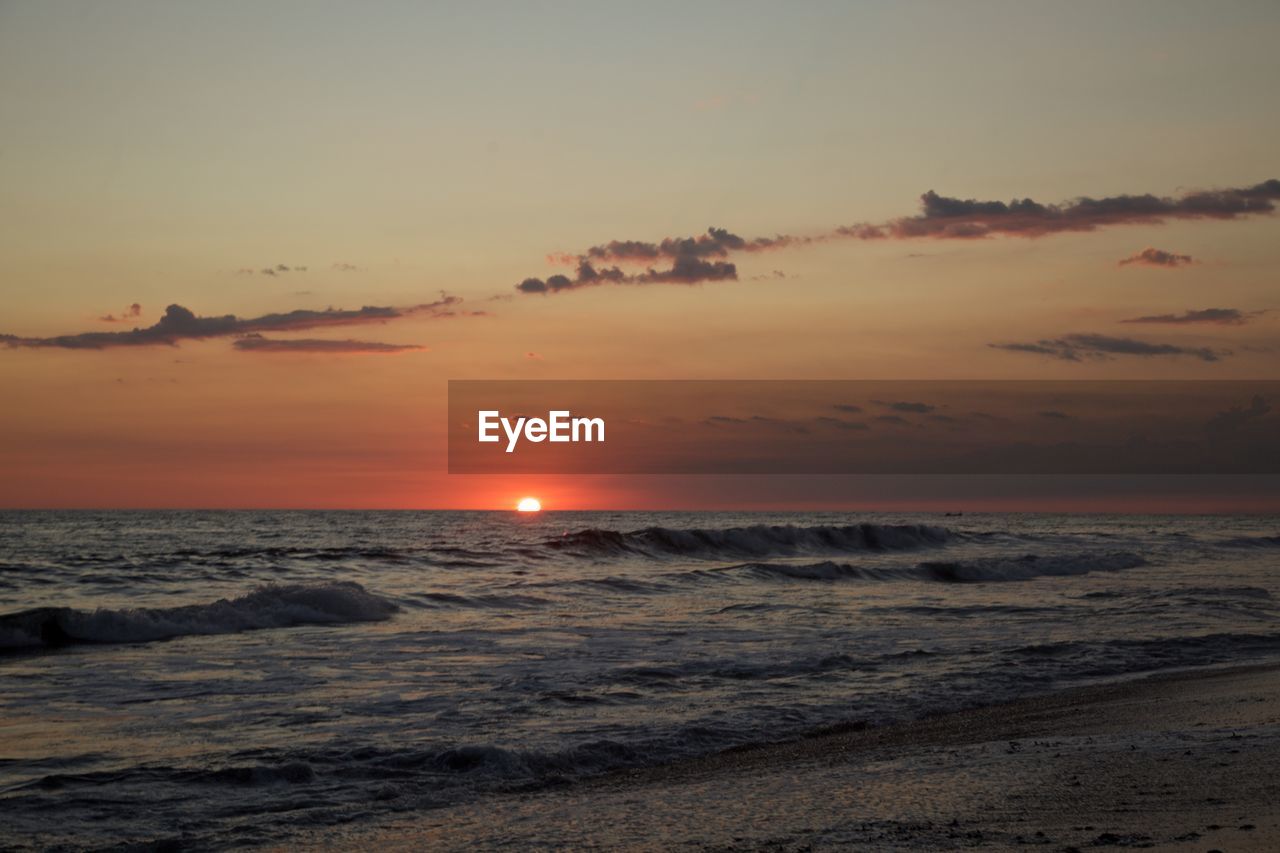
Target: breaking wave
x,y
754,541
279,606
1250,542
988,570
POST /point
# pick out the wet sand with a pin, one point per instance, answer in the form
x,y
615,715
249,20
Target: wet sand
x,y
1176,762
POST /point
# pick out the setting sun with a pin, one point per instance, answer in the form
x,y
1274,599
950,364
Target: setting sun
x,y
529,505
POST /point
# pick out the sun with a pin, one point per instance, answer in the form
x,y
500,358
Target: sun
x,y
529,505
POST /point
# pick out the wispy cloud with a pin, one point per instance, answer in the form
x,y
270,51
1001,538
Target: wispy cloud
x,y
692,260
132,312
703,257
180,323
954,218
1150,257
1213,316
1093,346
841,423
906,406
258,343
281,269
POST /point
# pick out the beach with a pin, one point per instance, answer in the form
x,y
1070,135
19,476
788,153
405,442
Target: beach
x,y
214,680
1173,762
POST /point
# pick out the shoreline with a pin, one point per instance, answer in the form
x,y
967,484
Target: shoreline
x,y
1169,761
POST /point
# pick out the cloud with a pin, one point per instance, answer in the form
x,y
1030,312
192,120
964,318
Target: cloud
x,y
342,266
756,420
1216,316
904,406
716,243
278,269
1236,416
847,407
179,323
689,269
257,343
1150,257
703,257
945,217
1094,346
134,310
693,260
841,423
1055,415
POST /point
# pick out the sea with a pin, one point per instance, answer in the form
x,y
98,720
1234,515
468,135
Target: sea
x,y
203,680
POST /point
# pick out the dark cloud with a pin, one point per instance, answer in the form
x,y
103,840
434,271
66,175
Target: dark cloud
x,y
1237,416
847,407
1055,415
278,269
695,259
906,406
1156,258
684,270
179,323
692,260
689,271
756,420
716,243
954,218
444,307
701,258
132,312
841,423
1094,346
893,419
257,343
1217,316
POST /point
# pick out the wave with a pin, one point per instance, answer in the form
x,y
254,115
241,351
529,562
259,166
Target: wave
x,y
276,606
504,602
755,541
1085,659
1250,542
983,570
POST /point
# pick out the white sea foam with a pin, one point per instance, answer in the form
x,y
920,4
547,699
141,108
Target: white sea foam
x,y
755,541
981,570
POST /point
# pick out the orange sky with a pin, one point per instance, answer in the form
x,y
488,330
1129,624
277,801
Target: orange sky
x,y
159,155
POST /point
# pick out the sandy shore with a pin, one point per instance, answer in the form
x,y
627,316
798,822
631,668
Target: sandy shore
x,y
1177,762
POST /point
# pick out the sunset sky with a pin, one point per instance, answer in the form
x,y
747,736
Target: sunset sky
x,y
383,197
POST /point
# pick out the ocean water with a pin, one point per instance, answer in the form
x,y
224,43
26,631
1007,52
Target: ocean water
x,y
237,678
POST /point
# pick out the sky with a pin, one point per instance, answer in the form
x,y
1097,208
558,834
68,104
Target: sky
x,y
387,196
